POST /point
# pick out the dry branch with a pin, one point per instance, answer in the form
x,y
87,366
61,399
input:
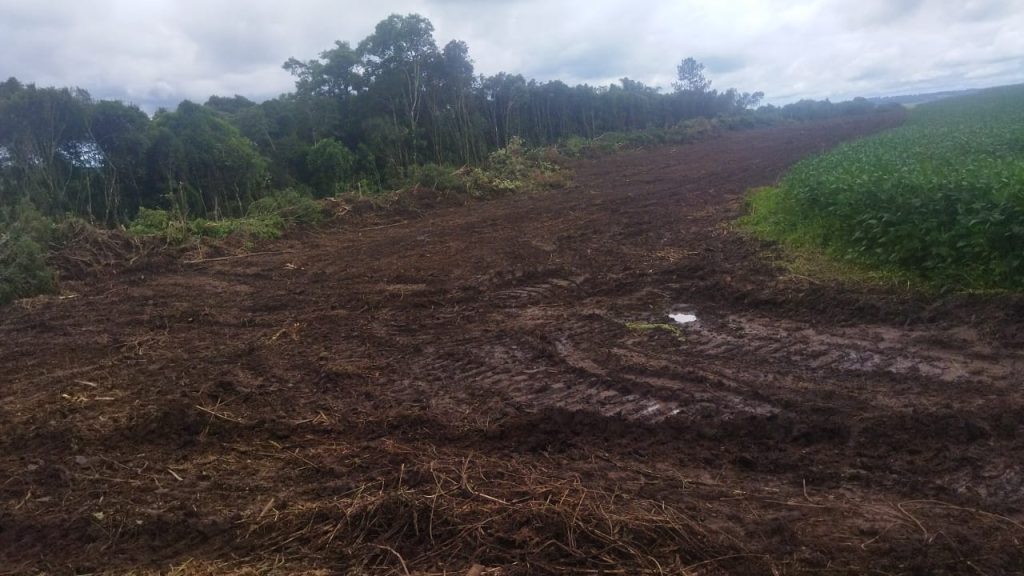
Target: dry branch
x,y
235,257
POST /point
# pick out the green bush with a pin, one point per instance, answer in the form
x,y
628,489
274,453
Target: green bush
x,y
514,168
149,222
264,219
24,236
153,222
290,206
441,178
329,166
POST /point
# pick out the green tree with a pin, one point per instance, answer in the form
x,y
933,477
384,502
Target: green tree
x,y
121,137
203,164
44,131
335,74
329,167
750,100
397,60
454,128
325,90
229,106
690,75
503,96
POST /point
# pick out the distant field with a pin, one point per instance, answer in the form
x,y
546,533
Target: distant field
x,y
940,199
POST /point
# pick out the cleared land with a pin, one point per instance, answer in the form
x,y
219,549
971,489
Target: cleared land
x,y
487,390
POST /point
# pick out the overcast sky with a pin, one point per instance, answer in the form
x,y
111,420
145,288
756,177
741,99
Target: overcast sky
x,y
157,52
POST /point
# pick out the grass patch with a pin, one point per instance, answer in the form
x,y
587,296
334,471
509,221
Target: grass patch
x,y
937,203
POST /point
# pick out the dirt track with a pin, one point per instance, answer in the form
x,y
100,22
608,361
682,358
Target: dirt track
x,y
469,391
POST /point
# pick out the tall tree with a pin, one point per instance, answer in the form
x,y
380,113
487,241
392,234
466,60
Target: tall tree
x,y
397,59
203,164
690,75
120,134
454,133
43,131
337,73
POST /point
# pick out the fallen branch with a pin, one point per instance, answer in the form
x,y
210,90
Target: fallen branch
x,y
384,226
219,415
249,255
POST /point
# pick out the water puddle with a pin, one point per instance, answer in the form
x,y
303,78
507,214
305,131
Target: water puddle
x,y
683,318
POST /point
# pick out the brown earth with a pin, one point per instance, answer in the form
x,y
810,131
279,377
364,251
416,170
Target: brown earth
x,y
497,389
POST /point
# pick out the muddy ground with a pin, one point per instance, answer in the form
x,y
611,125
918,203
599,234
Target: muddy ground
x,y
496,388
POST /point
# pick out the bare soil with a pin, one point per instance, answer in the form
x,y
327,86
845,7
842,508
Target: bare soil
x,y
497,388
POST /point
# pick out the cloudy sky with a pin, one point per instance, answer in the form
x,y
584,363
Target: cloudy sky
x,y
157,52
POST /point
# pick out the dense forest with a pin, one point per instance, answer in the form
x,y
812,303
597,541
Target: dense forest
x,y
360,117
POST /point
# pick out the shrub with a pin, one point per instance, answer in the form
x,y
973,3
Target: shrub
x,y
329,165
291,206
441,178
264,219
511,169
24,235
153,222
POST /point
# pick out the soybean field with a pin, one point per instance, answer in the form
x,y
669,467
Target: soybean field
x,y
940,199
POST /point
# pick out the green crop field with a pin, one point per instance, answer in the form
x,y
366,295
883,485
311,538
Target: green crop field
x,y
940,199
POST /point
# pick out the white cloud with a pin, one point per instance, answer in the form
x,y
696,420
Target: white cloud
x,y
157,52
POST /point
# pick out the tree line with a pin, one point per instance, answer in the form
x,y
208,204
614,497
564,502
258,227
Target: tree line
x,y
359,117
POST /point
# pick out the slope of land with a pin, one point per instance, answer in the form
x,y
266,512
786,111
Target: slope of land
x,y
494,389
